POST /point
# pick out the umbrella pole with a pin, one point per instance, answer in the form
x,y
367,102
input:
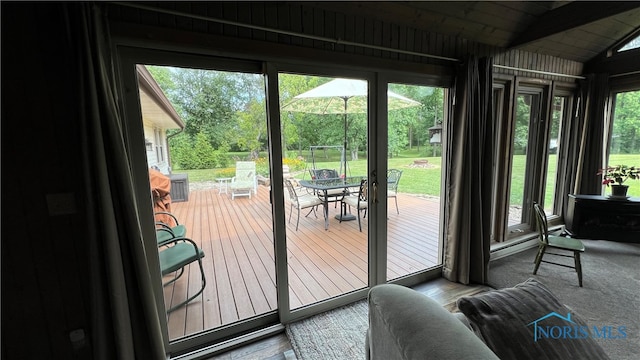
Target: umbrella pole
x,y
344,151
343,216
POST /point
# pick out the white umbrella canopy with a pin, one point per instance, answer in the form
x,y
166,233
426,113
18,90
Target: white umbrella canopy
x,y
342,96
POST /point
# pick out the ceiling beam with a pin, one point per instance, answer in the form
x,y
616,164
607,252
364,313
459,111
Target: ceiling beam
x,y
570,16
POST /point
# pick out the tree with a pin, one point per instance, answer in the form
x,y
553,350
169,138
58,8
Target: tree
x,y
523,115
625,137
408,127
252,125
297,129
207,102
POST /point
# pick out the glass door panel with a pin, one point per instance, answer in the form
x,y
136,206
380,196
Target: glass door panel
x,y
324,142
413,178
200,128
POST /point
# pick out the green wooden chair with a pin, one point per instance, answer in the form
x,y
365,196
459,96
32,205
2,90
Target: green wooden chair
x,y
175,255
561,243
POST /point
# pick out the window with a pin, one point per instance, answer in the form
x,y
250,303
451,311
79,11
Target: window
x,y
529,156
523,155
157,133
624,140
559,110
634,43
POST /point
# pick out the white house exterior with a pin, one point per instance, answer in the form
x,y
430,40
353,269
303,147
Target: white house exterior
x,y
158,115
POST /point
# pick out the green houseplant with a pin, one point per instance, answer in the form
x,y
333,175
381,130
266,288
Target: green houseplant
x,y
615,176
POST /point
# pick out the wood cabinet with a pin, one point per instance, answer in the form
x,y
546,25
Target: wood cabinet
x,y
602,218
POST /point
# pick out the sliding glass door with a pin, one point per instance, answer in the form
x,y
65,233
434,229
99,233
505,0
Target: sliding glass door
x,y
324,142
298,239
201,124
414,172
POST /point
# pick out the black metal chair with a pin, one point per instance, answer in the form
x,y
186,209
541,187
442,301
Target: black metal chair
x,y
561,243
323,174
393,179
326,174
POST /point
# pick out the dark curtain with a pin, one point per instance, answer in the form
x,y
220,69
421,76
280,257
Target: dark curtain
x,y
468,176
591,121
585,135
124,314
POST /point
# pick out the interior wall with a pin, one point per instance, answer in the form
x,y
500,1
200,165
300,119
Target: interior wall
x,y
45,281
44,271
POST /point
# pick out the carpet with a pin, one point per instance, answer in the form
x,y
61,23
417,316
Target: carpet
x,y
335,334
610,295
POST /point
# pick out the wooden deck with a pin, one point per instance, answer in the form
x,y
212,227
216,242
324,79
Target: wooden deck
x,y
237,238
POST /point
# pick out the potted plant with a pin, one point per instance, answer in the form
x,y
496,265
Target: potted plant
x,y
615,176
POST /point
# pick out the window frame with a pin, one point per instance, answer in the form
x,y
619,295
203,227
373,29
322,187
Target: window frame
x,y
509,88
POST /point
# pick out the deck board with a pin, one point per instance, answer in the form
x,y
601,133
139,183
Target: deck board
x,y
237,239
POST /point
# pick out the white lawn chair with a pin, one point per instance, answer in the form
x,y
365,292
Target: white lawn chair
x,y
245,182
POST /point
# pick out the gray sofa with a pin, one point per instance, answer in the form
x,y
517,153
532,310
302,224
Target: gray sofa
x,y
405,324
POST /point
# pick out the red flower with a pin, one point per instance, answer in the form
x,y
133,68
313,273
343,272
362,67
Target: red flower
x,y
607,181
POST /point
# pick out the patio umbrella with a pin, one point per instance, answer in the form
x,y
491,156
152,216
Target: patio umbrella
x,y
342,96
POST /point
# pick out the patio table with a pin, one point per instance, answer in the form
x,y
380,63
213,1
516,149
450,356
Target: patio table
x,y
323,185
223,183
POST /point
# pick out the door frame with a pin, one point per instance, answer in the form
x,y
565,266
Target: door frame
x,y
129,54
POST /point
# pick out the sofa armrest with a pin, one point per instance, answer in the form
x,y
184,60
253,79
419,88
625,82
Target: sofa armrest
x,y
405,324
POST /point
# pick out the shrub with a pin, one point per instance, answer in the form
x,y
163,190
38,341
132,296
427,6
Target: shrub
x,y
294,164
197,153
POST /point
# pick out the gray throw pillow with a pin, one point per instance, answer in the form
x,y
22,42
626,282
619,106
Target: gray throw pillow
x,y
528,322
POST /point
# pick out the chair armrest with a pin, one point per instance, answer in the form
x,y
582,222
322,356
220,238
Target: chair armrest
x,y
182,239
169,214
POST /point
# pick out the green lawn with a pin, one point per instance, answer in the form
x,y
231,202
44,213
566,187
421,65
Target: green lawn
x,y
427,180
631,160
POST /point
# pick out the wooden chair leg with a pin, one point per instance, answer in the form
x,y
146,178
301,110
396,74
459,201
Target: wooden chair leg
x,y
359,223
576,258
538,260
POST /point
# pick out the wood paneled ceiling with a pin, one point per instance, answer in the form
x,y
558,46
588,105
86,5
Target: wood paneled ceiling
x,y
574,30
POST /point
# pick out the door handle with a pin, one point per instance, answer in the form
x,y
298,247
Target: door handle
x,y
374,186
